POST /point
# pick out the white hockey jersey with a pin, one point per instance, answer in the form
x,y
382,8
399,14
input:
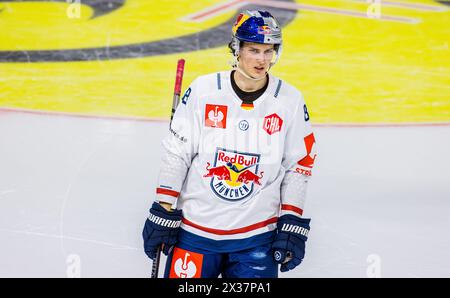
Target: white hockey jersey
x,y
234,171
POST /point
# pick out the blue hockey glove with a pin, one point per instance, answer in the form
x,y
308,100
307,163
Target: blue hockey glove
x,y
161,227
289,243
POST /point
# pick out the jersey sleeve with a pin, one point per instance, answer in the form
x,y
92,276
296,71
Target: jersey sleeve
x,y
179,147
298,160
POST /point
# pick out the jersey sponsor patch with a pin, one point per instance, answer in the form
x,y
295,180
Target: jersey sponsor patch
x,y
233,174
216,116
307,162
177,135
272,124
186,264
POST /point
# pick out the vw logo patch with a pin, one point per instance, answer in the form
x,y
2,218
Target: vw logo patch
x,y
243,125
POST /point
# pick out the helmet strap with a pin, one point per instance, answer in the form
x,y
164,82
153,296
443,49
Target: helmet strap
x,y
246,75
277,57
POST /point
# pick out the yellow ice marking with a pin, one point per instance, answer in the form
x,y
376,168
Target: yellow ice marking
x,y
350,70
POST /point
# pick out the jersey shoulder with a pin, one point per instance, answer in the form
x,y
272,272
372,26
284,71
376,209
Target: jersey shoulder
x,y
287,93
202,87
210,83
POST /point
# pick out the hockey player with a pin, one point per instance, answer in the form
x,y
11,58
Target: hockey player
x,y
235,167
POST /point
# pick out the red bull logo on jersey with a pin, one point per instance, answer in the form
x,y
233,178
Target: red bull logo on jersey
x,y
233,174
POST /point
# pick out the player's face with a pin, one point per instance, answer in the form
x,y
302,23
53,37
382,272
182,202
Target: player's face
x,y
255,58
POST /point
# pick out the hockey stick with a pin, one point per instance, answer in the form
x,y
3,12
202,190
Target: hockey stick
x,y
176,100
177,89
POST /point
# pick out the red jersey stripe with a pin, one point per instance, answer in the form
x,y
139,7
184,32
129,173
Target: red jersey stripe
x,y
163,191
233,231
292,208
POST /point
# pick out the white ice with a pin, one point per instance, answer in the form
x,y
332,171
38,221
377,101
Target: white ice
x,y
74,193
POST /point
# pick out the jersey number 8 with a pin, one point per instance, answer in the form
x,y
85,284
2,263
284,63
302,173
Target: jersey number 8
x,y
186,96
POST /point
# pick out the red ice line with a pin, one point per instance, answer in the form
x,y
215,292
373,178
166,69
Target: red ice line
x,y
145,119
295,6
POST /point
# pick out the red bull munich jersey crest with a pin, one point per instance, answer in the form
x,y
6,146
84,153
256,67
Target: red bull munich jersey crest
x,y
233,174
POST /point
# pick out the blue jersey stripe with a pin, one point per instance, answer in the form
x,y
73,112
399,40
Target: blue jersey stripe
x,y
278,88
219,85
223,246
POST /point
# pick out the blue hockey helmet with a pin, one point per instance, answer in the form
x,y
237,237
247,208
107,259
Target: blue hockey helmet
x,y
256,26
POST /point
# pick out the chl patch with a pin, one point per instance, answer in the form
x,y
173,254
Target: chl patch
x,y
216,116
186,264
272,124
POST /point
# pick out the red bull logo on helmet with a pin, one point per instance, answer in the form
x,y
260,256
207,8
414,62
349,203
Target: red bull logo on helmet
x,y
264,30
233,174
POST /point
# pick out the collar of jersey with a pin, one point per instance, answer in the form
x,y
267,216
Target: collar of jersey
x,y
225,77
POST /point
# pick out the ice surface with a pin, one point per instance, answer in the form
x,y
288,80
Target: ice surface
x,y
79,189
